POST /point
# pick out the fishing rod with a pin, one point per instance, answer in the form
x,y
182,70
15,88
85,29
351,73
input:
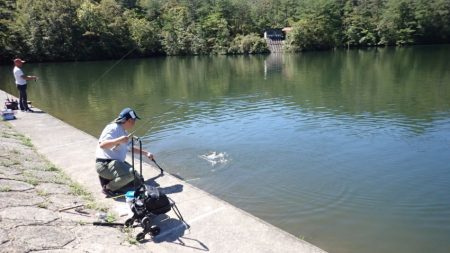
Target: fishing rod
x,y
131,134
115,64
157,165
138,139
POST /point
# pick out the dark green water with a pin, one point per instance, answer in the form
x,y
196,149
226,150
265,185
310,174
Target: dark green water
x,y
349,150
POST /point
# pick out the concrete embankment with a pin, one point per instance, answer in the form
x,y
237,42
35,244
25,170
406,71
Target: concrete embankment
x,y
215,225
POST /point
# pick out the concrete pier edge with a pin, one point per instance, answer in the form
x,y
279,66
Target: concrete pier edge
x,y
215,225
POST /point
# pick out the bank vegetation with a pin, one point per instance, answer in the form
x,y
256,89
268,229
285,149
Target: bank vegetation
x,y
67,30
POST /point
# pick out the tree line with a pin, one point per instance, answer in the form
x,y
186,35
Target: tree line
x,y
61,30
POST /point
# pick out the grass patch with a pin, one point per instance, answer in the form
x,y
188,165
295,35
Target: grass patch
x,y
26,141
43,205
129,235
15,151
91,204
52,168
42,193
58,180
9,162
78,190
6,135
32,181
5,189
110,217
82,223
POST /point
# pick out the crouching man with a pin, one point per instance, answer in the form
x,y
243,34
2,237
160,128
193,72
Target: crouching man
x,y
114,172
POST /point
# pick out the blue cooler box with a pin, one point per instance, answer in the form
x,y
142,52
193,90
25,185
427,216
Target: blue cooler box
x,y
8,114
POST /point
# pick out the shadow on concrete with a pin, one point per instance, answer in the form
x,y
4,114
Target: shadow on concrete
x,y
174,231
37,112
152,181
171,189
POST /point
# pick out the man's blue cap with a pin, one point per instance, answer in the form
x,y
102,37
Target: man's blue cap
x,y
127,113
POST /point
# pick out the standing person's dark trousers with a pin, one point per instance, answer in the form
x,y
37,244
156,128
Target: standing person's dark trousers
x,y
23,102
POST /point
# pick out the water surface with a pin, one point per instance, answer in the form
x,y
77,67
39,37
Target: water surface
x,y
348,150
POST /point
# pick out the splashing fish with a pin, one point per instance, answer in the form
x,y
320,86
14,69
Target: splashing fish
x,y
215,157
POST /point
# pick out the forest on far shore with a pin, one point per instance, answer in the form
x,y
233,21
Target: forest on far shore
x,y
69,30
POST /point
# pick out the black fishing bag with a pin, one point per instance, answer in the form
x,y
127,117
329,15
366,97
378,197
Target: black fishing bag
x,y
12,104
149,202
148,199
157,205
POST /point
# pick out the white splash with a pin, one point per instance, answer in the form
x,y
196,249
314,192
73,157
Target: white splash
x,y
215,157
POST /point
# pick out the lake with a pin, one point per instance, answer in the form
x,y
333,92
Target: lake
x,y
346,149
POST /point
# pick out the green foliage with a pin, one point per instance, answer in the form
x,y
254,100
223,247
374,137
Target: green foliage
x,y
7,35
248,44
215,33
105,31
359,21
53,30
433,20
398,23
179,31
414,21
47,27
144,33
316,28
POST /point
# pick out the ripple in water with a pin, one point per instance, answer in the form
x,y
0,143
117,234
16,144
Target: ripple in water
x,y
215,158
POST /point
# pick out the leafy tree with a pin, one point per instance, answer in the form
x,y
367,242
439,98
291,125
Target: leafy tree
x,y
248,44
267,14
433,20
398,24
215,32
144,33
48,27
359,24
105,30
179,31
8,36
240,19
319,27
48,30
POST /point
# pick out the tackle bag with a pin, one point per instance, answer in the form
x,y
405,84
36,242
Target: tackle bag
x,y
12,104
158,205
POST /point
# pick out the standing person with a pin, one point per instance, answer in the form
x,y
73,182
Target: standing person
x,y
21,83
114,172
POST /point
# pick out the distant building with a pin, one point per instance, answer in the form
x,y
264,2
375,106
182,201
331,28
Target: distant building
x,y
275,38
274,34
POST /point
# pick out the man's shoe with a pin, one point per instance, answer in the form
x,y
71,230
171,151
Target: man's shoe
x,y
29,110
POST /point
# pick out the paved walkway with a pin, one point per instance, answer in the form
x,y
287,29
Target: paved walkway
x,y
33,191
33,196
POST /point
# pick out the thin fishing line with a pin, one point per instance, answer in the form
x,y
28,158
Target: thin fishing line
x,y
115,64
148,121
163,116
159,120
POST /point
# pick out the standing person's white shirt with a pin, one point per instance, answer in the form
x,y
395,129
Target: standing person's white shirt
x,y
18,75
